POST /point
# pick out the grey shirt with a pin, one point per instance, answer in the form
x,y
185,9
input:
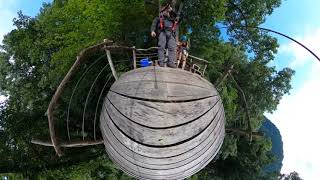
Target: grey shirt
x,y
156,23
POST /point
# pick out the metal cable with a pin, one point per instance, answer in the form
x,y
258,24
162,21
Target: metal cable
x,y
76,87
87,99
95,115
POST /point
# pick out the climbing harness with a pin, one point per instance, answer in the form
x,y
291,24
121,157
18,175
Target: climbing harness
x,y
174,26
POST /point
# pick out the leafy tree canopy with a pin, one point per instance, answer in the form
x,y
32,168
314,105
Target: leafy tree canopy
x,y
36,55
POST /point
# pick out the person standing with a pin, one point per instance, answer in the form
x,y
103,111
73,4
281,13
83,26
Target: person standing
x,y
183,47
166,25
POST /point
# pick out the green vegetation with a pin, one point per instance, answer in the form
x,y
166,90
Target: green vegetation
x,y
271,131
37,54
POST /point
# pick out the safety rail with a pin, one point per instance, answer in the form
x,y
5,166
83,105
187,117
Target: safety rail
x,y
194,64
197,65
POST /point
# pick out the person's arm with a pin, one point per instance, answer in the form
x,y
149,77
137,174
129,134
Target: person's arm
x,y
188,44
154,25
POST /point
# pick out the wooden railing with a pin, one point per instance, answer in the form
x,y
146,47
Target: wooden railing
x,y
198,65
194,64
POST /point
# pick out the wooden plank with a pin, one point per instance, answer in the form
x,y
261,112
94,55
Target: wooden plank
x,y
178,159
205,162
165,74
146,104
159,152
156,114
166,163
164,84
167,173
161,136
170,173
214,149
162,91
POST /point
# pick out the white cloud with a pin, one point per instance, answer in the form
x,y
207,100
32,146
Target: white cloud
x,y
311,39
298,114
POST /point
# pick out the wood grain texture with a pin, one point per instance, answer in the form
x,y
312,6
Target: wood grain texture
x,y
158,137
162,123
156,114
212,139
163,84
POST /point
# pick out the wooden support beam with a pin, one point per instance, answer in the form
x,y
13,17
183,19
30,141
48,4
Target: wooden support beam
x,y
114,73
134,58
204,70
69,144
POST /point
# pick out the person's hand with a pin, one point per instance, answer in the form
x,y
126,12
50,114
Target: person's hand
x,y
153,34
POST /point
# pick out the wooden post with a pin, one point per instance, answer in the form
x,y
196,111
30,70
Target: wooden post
x,y
134,58
204,70
114,73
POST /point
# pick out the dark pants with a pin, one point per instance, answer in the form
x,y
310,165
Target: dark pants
x,y
167,39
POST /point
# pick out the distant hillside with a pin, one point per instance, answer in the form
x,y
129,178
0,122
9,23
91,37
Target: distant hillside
x,y
273,132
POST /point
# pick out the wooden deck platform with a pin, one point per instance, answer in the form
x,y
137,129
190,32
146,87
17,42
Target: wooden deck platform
x,y
162,123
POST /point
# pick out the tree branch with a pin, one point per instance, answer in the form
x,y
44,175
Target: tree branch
x,y
224,77
69,144
243,96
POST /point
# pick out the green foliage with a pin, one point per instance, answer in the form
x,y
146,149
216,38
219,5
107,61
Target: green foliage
x,y
243,14
94,169
292,176
37,54
11,176
272,132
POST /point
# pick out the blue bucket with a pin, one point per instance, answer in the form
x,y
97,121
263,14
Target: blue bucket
x,y
145,62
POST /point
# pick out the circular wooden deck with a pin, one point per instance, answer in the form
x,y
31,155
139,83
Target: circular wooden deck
x,y
162,123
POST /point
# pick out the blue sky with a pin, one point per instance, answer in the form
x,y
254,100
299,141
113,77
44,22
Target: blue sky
x,y
9,9
298,114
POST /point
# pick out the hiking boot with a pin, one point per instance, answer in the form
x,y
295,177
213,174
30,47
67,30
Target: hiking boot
x,y
172,65
161,64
